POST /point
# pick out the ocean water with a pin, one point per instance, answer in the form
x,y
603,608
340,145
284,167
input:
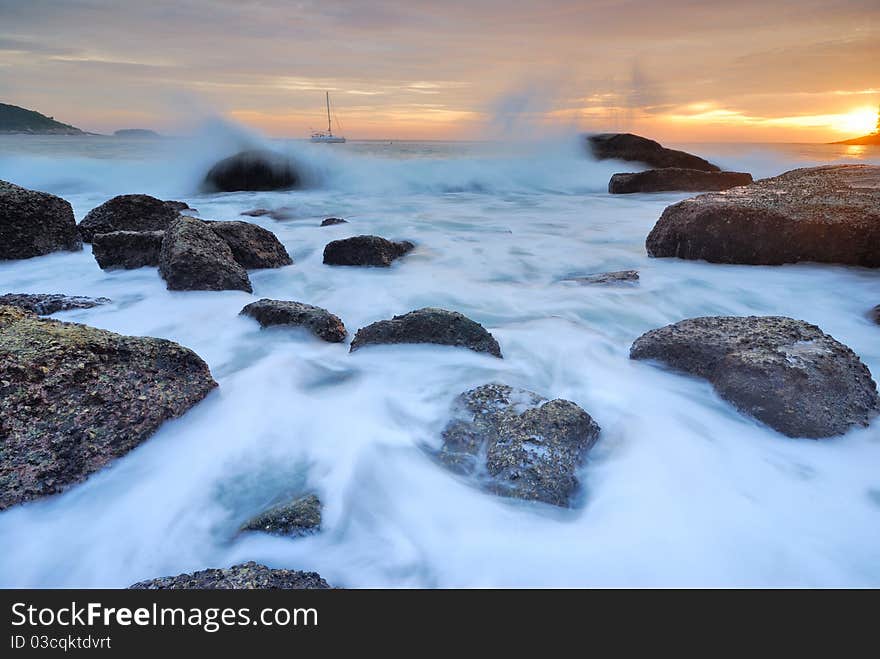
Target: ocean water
x,y
680,490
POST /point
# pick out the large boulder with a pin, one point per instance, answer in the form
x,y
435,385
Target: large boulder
x,y
252,245
634,148
49,303
296,518
34,223
247,576
129,212
320,322
127,249
517,443
73,398
826,214
786,373
365,250
195,258
428,326
257,169
676,179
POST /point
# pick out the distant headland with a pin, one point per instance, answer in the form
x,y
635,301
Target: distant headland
x,y
136,132
16,120
872,139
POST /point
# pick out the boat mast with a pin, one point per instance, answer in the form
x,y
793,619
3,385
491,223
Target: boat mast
x,y
329,127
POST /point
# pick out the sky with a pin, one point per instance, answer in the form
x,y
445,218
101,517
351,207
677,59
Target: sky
x,y
679,70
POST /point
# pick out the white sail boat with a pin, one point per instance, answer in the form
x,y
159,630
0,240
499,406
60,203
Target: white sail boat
x,y
327,136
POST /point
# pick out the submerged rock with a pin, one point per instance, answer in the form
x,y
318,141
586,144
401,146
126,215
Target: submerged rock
x,y
826,214
299,517
247,576
283,213
49,303
517,443
875,314
675,178
429,325
34,223
129,212
127,249
73,398
320,322
634,148
365,250
617,277
330,221
252,246
195,258
252,170
786,373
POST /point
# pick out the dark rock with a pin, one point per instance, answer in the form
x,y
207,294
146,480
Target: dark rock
x,y
826,214
247,576
617,277
626,146
283,213
675,178
252,246
784,372
429,326
48,303
127,249
330,221
129,212
73,398
34,223
320,322
180,206
365,250
195,258
517,443
299,517
252,170
256,212
875,314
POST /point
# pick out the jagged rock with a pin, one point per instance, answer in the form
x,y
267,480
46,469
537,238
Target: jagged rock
x,y
127,249
365,250
34,223
73,398
252,170
634,148
247,576
330,221
784,372
129,212
429,326
518,444
617,277
252,246
296,518
677,179
193,257
49,303
320,322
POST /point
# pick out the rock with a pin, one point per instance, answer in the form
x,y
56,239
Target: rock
x,y
784,372
193,257
320,322
365,250
129,212
875,314
34,223
617,277
626,146
73,398
252,170
675,178
283,213
247,576
179,205
299,517
252,246
330,221
518,443
127,249
825,214
429,326
48,303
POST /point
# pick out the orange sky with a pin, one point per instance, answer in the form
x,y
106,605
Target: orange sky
x,y
679,70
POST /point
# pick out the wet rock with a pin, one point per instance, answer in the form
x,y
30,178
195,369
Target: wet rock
x,y
517,443
784,372
127,249
429,326
73,398
365,250
252,246
180,206
129,212
193,257
875,314
825,214
634,148
296,518
283,213
252,170
675,178
618,277
49,303
247,576
320,322
34,223
330,221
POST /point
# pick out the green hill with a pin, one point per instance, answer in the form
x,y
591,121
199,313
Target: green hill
x,y
14,119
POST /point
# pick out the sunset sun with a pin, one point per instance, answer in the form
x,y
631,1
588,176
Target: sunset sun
x,y
861,121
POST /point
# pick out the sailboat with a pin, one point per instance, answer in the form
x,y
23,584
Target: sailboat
x,y
327,136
